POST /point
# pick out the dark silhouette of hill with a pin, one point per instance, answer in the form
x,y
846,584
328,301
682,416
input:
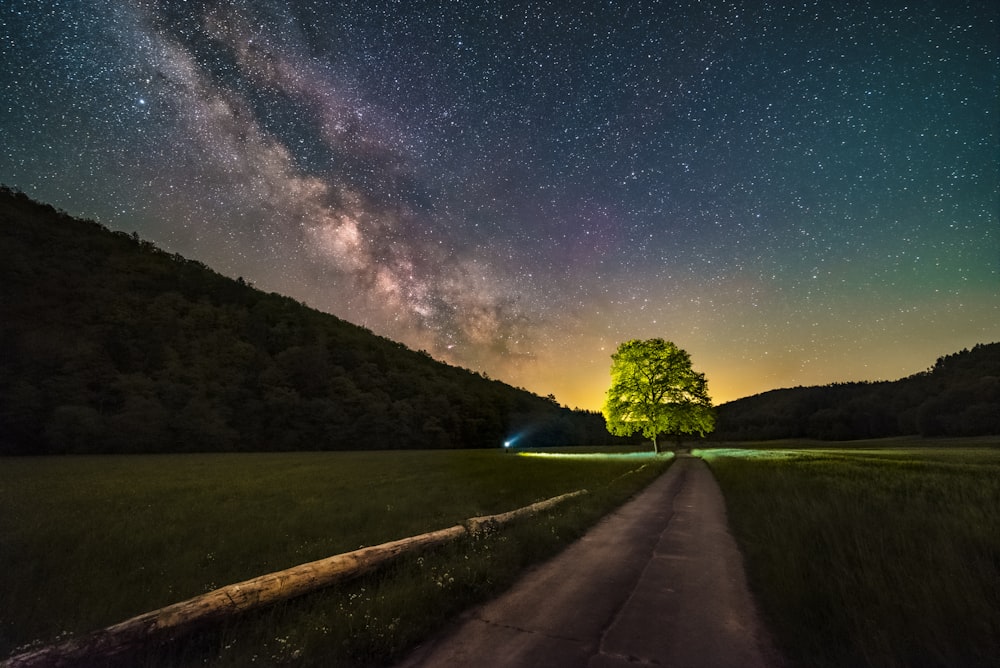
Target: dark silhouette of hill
x,y
958,396
110,344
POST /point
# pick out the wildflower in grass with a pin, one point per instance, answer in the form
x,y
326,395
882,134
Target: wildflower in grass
x,y
285,650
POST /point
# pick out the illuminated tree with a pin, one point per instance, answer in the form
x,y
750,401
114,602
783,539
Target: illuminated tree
x,y
655,391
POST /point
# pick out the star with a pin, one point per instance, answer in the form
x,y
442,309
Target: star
x,y
795,194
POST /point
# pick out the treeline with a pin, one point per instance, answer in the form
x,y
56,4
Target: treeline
x,y
109,344
958,396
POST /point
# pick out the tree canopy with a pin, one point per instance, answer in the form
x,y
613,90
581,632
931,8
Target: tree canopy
x,y
654,390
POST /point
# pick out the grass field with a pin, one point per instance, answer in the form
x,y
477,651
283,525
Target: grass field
x,y
868,556
871,556
89,541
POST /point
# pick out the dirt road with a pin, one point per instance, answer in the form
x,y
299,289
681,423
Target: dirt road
x,y
659,582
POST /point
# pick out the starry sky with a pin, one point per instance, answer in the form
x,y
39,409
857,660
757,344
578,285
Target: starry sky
x,y
796,193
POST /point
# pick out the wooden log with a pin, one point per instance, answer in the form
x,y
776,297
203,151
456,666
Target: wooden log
x,y
490,522
162,624
173,620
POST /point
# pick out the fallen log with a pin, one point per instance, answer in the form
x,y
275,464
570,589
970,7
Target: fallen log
x,y
490,522
173,620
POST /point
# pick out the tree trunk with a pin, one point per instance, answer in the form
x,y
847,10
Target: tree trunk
x,y
656,446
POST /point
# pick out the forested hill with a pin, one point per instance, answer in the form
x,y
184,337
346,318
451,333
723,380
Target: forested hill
x,y
109,344
958,396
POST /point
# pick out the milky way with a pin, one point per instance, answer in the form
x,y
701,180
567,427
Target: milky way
x,y
795,193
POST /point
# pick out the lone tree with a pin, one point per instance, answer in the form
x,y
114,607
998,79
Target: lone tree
x,y
655,391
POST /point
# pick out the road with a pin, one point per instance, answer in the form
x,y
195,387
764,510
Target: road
x,y
659,582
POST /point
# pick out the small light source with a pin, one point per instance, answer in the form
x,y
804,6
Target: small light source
x,y
511,441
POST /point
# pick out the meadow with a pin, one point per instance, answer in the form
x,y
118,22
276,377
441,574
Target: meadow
x,y
871,556
87,541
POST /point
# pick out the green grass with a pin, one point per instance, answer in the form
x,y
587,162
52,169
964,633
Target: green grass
x,y
89,541
871,557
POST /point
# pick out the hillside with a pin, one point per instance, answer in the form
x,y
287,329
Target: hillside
x,y
109,344
958,396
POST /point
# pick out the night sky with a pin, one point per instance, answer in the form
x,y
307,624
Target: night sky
x,y
796,193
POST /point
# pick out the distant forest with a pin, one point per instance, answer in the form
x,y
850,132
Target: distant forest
x,y
109,344
958,396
